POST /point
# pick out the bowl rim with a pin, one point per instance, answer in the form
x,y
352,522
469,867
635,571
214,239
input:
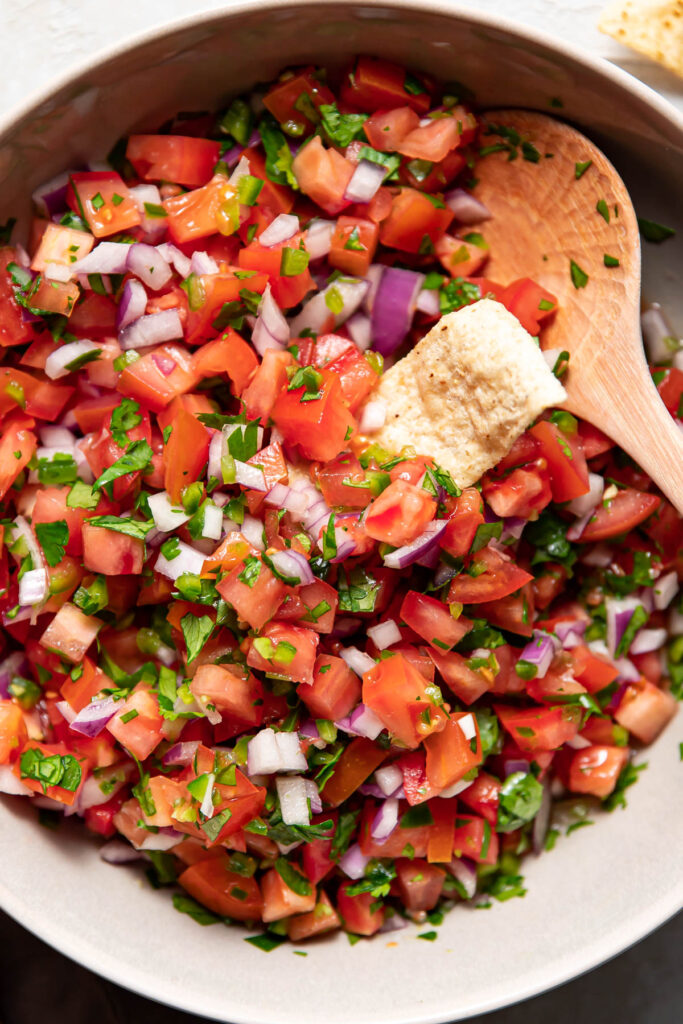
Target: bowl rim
x,y
632,929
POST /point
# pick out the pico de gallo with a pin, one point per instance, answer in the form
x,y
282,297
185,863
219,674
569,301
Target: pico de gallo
x,y
312,683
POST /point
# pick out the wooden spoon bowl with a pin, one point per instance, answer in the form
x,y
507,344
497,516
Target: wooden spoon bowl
x,y
561,214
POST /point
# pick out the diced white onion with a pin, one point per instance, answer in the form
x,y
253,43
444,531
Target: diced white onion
x,y
293,800
213,522
373,417
467,726
318,238
10,784
167,516
365,182
384,634
283,227
188,560
664,590
357,661
585,503
57,363
389,778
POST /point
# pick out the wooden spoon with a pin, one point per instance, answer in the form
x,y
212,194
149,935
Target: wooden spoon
x,y
543,218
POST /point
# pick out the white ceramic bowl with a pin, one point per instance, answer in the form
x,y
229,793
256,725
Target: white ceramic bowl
x,y
602,888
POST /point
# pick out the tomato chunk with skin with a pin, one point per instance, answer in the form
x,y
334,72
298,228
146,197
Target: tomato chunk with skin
x,y
103,200
627,509
419,883
185,453
454,751
644,710
566,461
360,913
256,600
286,650
111,553
187,161
358,761
353,245
432,620
474,838
323,918
321,426
223,891
540,728
13,733
466,683
373,83
142,733
400,514
414,222
595,770
500,578
71,633
231,689
334,690
280,901
400,697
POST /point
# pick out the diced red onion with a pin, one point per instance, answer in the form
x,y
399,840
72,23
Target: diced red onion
x,y
282,496
10,784
187,560
181,753
389,778
318,238
570,634
116,851
540,652
658,335
147,263
54,437
365,182
252,529
467,209
647,640
513,765
619,612
586,503
384,634
14,665
152,330
373,417
367,788
250,476
664,590
393,307
513,528
91,720
293,800
578,526
279,230
675,623
203,264
360,329
542,820
345,546
167,516
57,362
357,661
293,564
385,820
65,710
316,313
363,720
132,304
598,555
33,587
393,923
465,872
428,302
22,615
172,254
165,839
354,862
105,258
627,670
50,198
420,547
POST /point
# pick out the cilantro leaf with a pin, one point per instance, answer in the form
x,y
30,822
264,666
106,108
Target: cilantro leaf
x,y
278,154
130,527
137,457
341,129
53,538
196,629
123,418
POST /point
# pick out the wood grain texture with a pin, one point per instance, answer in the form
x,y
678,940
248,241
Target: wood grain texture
x,y
544,217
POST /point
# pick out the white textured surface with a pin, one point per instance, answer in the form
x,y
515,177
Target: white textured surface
x,y
40,39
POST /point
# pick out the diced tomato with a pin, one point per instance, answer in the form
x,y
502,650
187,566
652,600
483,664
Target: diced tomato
x,y
217,291
288,290
13,733
70,633
319,427
432,620
530,303
93,316
227,893
670,388
100,818
198,213
332,476
644,710
540,728
357,762
466,683
593,440
266,384
592,670
401,840
102,199
111,553
316,853
185,453
256,600
474,838
386,129
40,398
231,689
142,733
400,514
280,901
566,461
228,354
440,843
179,158
61,245
276,198
356,376
460,257
291,652
482,796
334,691
295,94
323,174
353,245
454,751
14,439
514,613
549,584
628,508
499,578
415,223
522,492
466,516
156,378
595,770
13,328
323,918
399,696
360,914
373,84
432,142
419,883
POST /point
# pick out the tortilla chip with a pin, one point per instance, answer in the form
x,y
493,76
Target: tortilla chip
x,y
467,390
652,27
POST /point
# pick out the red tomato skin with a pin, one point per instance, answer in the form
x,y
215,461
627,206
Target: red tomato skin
x,y
373,83
419,883
501,578
566,461
595,770
397,693
644,710
628,508
187,161
399,514
357,912
304,641
334,690
432,620
318,427
413,217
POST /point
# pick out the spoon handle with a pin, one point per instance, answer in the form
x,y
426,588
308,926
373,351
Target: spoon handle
x,y
623,401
